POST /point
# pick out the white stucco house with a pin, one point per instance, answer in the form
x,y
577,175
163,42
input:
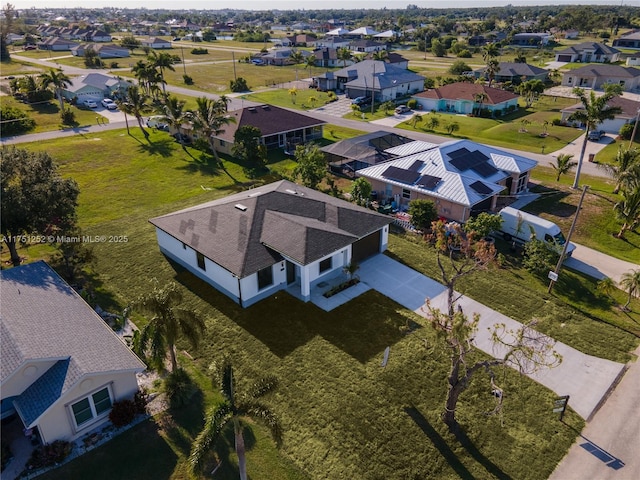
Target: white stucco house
x,y
156,43
62,366
278,236
630,110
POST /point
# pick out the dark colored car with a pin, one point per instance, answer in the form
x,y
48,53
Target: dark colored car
x,y
362,101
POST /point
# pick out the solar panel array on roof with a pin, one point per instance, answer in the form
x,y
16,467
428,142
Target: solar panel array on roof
x,y
428,181
464,161
461,152
484,169
401,175
417,165
480,187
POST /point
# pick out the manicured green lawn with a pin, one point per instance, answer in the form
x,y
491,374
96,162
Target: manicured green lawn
x,y
15,67
344,416
47,115
303,98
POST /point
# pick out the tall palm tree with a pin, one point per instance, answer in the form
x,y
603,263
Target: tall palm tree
x,y
480,98
311,62
59,80
563,165
135,103
381,55
626,165
168,323
596,110
630,281
628,211
174,114
231,410
489,51
209,118
493,67
162,61
296,57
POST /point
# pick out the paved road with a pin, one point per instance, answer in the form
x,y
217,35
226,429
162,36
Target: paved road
x,y
609,447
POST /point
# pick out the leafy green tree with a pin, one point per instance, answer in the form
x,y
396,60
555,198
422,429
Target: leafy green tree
x,y
530,90
483,224
14,120
238,85
437,48
630,282
168,323
91,58
6,27
433,122
58,80
230,412
72,257
596,109
311,165
36,199
247,145
361,190
130,42
452,127
563,165
387,106
538,258
459,67
416,119
423,213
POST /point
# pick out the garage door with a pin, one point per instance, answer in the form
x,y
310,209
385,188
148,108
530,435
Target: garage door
x,y
564,58
366,247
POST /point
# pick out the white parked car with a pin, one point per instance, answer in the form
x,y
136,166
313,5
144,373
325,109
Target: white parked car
x,y
90,104
109,104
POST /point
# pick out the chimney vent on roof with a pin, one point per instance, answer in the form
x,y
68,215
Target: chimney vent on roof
x,y
265,107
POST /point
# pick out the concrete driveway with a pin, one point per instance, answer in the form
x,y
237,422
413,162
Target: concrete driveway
x,y
585,378
597,264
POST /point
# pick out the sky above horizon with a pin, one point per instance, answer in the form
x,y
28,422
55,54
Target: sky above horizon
x,y
299,4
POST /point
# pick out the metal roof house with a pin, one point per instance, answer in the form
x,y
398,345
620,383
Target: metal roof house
x,y
279,236
62,365
461,177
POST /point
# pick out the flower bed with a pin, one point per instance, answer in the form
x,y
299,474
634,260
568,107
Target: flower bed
x,y
339,288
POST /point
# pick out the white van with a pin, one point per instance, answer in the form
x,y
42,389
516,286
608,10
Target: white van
x,y
521,226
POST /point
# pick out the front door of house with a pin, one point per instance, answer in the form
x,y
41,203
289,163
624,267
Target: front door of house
x,y
291,272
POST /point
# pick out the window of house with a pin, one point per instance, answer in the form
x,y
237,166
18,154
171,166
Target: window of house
x,y
265,278
93,406
522,183
200,259
406,193
326,264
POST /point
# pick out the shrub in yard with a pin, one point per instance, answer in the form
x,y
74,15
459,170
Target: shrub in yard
x,y
49,454
188,80
483,224
68,117
15,121
412,103
122,413
538,259
179,388
556,121
626,131
238,85
199,51
140,400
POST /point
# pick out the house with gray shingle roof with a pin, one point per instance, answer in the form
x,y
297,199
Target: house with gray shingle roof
x,y
279,127
596,76
464,97
372,78
629,113
628,40
514,72
94,86
62,365
461,177
588,52
255,243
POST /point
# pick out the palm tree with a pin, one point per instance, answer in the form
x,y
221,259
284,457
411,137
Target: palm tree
x,y
563,165
630,281
135,103
168,323
146,74
490,51
628,210
59,80
480,98
209,118
161,61
596,110
344,54
381,55
606,286
493,67
296,57
231,410
624,168
174,114
311,62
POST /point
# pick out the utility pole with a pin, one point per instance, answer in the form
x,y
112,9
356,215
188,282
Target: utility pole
x,y
635,128
233,60
373,86
184,66
555,273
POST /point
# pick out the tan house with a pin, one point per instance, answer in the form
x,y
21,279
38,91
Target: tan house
x,y
461,177
62,365
597,76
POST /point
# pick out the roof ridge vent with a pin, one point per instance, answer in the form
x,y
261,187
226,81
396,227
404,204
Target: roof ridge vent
x,y
241,207
292,192
254,194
